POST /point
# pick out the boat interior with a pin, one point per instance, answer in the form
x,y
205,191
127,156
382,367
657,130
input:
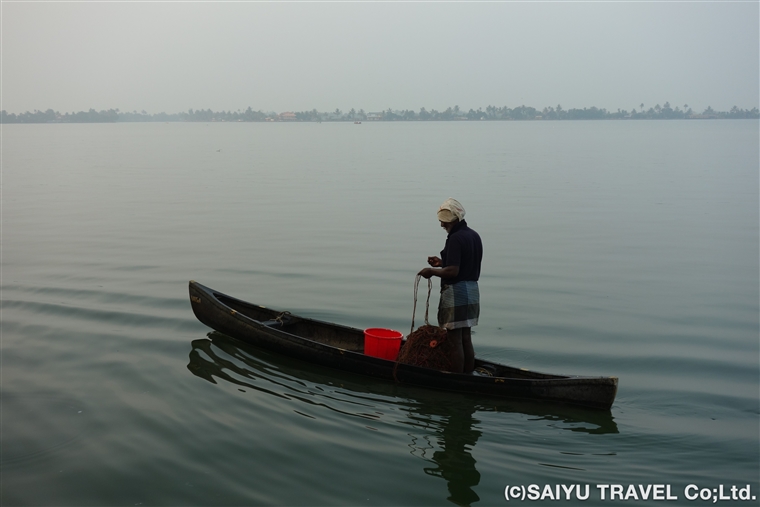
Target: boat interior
x,y
334,335
351,339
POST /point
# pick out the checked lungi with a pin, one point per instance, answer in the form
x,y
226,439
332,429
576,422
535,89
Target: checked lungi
x,y
459,305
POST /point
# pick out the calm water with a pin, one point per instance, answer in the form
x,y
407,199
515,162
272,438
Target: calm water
x,y
611,248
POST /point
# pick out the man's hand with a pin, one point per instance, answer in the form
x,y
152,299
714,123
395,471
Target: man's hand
x,y
447,272
436,262
426,273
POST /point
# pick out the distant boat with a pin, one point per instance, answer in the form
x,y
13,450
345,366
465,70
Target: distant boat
x,y
357,123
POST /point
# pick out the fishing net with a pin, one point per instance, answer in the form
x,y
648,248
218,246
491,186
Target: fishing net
x,y
427,346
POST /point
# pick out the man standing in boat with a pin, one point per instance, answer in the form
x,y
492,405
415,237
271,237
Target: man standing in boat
x,y
459,270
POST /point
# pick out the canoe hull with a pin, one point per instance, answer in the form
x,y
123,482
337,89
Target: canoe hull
x,y
341,347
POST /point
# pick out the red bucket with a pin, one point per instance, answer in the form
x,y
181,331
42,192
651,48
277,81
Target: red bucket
x,y
382,343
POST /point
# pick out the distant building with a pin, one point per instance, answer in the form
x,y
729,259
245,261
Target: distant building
x,y
288,116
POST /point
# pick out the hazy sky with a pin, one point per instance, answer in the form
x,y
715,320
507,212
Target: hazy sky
x,y
173,56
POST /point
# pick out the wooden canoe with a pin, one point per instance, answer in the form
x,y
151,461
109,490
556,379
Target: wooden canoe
x,y
342,347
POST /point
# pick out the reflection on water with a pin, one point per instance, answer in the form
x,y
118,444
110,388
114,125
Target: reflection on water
x,y
456,434
442,427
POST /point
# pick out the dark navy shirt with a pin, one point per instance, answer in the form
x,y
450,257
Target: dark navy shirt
x,y
464,249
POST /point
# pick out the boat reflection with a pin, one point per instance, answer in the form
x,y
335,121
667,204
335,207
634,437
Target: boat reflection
x,y
443,427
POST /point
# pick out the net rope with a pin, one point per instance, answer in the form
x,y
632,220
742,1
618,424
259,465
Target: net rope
x,y
427,346
427,303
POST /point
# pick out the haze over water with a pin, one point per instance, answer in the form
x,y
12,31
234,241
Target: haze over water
x,y
611,248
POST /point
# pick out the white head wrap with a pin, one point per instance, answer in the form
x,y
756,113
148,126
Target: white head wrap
x,y
450,210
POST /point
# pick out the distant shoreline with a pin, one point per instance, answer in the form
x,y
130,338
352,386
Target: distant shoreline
x,y
491,113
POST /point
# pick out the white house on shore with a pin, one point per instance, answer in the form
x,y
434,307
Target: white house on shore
x,y
287,116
